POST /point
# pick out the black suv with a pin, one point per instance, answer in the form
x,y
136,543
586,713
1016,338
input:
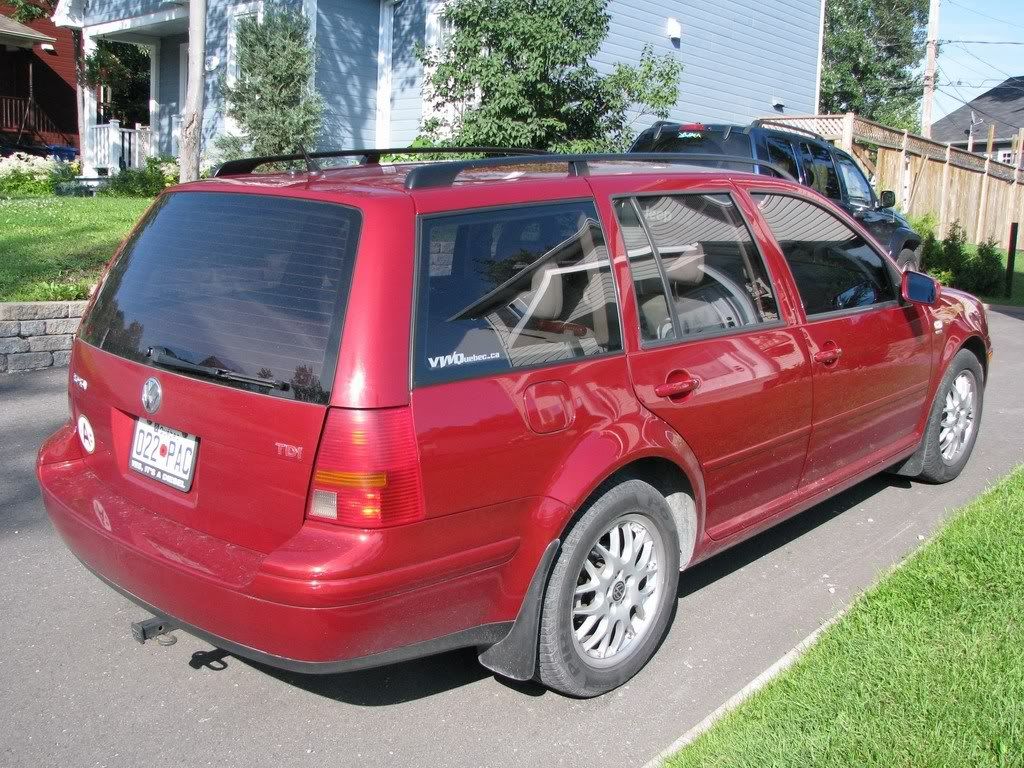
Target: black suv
x,y
810,159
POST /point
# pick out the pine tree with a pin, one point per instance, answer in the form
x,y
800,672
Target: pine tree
x,y
273,100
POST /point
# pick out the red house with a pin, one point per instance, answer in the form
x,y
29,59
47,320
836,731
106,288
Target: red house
x,y
37,83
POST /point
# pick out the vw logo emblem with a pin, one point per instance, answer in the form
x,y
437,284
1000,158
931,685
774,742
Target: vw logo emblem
x,y
151,395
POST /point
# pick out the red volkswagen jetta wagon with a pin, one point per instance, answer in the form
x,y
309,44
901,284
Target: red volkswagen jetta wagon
x,y
334,419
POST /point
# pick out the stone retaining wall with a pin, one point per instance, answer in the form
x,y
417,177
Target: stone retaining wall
x,y
37,334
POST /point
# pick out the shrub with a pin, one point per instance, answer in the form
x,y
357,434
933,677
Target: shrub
x,y
148,181
24,175
952,262
982,271
925,225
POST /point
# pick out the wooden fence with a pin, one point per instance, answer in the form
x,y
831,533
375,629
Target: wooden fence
x,y
953,185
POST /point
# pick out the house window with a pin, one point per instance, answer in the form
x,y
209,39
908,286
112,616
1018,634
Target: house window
x,y
1005,156
438,32
239,12
232,68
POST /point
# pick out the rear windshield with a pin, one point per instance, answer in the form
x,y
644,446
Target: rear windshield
x,y
252,284
707,140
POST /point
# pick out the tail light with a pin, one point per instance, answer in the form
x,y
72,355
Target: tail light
x,y
696,127
367,472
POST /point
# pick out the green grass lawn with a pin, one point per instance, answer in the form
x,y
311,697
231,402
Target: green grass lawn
x,y
54,247
926,670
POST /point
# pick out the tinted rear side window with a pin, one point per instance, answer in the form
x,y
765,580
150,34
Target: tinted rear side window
x,y
512,288
251,283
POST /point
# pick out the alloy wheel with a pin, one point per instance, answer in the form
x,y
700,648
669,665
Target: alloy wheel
x,y
618,591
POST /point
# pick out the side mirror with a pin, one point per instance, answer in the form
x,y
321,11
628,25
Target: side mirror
x,y
918,288
887,199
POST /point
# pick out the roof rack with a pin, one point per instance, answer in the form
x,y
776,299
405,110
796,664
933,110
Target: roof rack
x,y
366,156
768,122
444,173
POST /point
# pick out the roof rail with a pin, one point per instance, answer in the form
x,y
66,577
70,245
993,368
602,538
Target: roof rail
x,y
767,122
366,156
444,173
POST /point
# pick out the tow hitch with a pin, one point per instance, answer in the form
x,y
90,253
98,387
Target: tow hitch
x,y
154,628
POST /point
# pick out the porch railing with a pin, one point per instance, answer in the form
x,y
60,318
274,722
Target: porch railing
x,y
112,147
37,124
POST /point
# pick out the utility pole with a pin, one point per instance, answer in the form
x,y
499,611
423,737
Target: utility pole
x,y
930,66
975,122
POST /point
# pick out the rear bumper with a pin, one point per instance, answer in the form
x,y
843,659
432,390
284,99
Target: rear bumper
x,y
327,600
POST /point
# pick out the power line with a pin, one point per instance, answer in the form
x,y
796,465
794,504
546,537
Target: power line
x,y
980,111
986,15
979,13
984,42
985,63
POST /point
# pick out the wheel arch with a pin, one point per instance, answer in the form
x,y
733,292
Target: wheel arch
x,y
976,346
668,477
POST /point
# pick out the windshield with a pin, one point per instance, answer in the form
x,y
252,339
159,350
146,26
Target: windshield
x,y
253,285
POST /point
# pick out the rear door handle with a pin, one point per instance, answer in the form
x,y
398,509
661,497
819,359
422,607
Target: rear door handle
x,y
828,356
677,388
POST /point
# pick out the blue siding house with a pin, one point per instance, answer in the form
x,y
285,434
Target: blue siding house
x,y
742,59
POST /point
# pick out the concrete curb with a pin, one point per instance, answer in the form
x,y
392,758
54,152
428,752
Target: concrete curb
x,y
1008,309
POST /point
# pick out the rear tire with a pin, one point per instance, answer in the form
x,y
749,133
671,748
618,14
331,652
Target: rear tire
x,y
612,592
954,420
909,260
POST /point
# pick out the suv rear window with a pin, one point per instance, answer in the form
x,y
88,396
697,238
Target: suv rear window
x,y
512,288
254,284
689,139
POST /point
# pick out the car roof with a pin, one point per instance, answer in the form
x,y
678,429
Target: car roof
x,y
389,180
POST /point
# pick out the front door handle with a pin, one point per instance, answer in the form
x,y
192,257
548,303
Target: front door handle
x,y
677,388
828,355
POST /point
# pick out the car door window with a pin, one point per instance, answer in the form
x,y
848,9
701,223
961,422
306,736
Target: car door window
x,y
694,265
780,152
834,267
511,288
819,170
857,187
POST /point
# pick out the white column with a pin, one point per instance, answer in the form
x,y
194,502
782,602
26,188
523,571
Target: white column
x,y
89,113
114,136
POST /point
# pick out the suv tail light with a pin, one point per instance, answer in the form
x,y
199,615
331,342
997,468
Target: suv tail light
x,y
695,127
367,473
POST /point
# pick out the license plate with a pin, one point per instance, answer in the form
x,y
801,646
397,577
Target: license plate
x,y
164,454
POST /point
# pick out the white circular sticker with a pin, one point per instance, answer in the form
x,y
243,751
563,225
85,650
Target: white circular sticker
x,y
85,434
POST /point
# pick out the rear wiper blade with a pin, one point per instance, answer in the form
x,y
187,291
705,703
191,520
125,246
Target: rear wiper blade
x,y
164,358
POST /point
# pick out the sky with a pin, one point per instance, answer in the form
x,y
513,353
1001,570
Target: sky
x,y
967,71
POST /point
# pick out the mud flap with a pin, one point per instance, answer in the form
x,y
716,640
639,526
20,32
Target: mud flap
x,y
515,656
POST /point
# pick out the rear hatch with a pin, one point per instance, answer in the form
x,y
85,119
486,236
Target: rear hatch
x,y
234,304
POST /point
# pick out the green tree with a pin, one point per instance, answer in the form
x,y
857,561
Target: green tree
x,y
872,51
273,100
124,68
31,10
520,74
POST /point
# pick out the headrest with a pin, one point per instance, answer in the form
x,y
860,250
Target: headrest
x,y
687,267
546,292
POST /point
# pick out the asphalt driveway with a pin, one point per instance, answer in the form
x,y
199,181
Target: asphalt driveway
x,y
75,690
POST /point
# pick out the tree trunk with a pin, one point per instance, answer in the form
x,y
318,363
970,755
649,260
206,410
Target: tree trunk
x,y
192,120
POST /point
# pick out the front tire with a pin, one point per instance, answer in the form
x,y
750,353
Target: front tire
x,y
954,420
909,260
611,594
